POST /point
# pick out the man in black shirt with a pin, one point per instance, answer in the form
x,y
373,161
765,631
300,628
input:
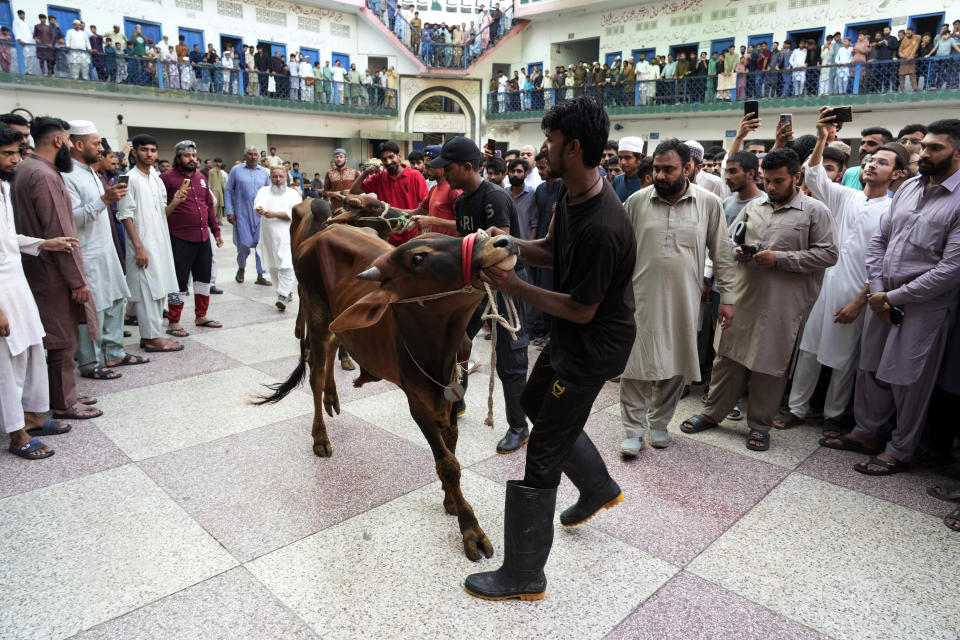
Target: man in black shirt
x,y
592,250
484,205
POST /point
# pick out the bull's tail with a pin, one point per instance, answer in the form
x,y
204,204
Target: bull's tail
x,y
282,389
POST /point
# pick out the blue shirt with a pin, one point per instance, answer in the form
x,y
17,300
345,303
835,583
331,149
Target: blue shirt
x,y
624,188
546,197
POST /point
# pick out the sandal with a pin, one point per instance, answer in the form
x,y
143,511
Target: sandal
x,y
889,468
761,437
955,516
129,359
27,450
210,324
50,428
178,332
947,494
87,400
846,444
149,349
73,414
696,424
788,420
263,281
735,415
100,373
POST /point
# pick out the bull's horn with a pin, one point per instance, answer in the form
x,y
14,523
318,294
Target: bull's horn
x,y
373,274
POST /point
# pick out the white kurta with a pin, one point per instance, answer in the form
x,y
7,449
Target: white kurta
x,y
16,299
672,244
144,204
274,245
855,220
100,259
713,184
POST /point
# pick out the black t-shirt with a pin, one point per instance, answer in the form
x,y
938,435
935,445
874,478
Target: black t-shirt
x,y
488,206
594,251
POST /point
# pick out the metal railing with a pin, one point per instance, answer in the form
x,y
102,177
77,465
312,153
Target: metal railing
x,y
197,77
431,47
924,74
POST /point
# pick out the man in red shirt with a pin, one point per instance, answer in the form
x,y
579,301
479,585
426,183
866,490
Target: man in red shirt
x,y
191,216
436,213
392,181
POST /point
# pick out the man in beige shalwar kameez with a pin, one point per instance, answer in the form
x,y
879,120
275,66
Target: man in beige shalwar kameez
x,y
773,293
676,224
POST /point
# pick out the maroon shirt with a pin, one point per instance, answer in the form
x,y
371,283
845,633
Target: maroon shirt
x,y
193,217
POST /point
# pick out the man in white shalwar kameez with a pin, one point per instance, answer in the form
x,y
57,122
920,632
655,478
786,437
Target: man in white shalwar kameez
x,y
108,285
274,204
676,224
24,388
150,272
832,333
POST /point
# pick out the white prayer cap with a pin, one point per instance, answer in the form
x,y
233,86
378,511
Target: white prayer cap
x,y
81,127
696,149
633,144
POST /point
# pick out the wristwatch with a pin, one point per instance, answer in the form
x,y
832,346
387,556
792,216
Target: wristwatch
x,y
886,303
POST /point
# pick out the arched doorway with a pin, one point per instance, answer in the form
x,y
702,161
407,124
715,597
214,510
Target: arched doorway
x,y
439,114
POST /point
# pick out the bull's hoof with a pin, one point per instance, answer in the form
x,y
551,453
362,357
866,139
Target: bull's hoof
x,y
477,544
323,449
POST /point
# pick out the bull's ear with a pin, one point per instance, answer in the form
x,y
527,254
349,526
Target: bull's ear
x,y
364,312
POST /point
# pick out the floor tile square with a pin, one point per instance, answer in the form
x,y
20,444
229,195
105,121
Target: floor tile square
x,y
693,609
255,342
677,500
398,571
84,551
81,451
229,606
181,413
293,493
845,564
195,358
907,489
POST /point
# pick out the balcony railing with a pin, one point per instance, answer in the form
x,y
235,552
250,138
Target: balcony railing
x,y
434,51
39,65
927,78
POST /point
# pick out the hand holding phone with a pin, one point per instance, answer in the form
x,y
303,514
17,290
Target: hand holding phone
x,y
751,108
123,180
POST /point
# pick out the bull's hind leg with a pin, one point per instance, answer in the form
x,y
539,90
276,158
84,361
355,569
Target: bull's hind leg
x,y
475,541
319,344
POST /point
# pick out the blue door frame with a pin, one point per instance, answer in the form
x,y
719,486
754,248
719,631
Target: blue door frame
x,y
851,30
651,52
345,63
237,56
64,15
721,45
913,22
270,48
533,66
313,53
6,16
760,37
192,37
677,48
806,33
613,55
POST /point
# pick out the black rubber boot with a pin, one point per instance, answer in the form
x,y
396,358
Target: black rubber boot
x,y
598,490
517,433
527,538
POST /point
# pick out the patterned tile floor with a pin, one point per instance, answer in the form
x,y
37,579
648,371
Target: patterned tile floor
x,y
185,512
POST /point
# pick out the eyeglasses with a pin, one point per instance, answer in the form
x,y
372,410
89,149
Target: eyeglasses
x,y
906,141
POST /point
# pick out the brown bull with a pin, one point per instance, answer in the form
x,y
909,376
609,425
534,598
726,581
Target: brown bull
x,y
352,287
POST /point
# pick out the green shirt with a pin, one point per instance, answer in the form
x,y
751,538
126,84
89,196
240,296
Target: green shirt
x,y
139,45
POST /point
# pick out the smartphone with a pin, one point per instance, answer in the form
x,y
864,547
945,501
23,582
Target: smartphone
x,y
491,144
185,185
841,114
123,180
896,315
786,118
751,107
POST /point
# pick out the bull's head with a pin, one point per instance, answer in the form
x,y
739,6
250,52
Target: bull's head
x,y
364,210
424,266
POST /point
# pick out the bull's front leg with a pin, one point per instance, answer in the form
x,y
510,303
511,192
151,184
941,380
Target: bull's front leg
x,y
318,370
475,541
331,399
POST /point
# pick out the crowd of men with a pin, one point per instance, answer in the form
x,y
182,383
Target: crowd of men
x,y
87,249
83,53
878,63
438,44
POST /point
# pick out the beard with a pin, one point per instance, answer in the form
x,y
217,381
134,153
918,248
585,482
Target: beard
x,y
515,181
277,189
339,165
667,189
930,168
392,169
7,176
63,162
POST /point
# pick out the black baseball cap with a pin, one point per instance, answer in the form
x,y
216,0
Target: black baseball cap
x,y
459,150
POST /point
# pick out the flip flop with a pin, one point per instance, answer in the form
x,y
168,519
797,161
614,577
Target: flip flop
x,y
761,437
71,414
955,516
210,324
30,447
178,333
100,373
150,349
788,420
87,400
951,494
50,428
129,359
889,468
846,445
263,282
696,424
